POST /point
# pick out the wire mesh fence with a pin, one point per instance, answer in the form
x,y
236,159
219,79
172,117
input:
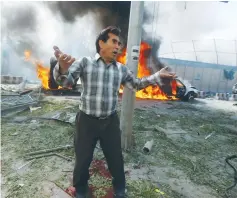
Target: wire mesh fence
x,y
216,51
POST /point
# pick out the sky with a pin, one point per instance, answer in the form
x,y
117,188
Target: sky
x,y
33,26
201,21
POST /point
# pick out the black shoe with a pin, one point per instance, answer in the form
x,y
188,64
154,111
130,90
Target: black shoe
x,y
120,194
88,194
80,195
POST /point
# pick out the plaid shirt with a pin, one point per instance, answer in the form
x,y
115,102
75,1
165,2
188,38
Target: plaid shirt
x,y
101,83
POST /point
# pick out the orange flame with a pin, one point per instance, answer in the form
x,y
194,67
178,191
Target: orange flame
x,y
152,92
42,71
43,74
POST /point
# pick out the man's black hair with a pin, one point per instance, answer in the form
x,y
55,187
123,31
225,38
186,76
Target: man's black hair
x,y
104,35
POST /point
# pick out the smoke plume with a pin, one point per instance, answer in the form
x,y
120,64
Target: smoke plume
x,y
73,26
106,12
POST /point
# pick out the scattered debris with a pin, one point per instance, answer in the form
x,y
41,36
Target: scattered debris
x,y
25,92
50,150
210,135
61,116
49,154
160,129
64,157
25,164
169,131
14,134
18,101
168,157
67,171
147,147
34,108
40,156
16,108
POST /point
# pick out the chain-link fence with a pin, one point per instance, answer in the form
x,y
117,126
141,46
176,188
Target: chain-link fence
x,y
216,51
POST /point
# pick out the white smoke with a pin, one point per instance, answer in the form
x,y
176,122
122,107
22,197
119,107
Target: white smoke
x,y
32,26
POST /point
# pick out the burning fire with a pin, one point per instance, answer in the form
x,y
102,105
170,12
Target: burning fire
x,y
152,92
43,75
42,71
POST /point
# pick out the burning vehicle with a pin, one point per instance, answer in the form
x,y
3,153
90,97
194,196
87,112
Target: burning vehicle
x,y
185,91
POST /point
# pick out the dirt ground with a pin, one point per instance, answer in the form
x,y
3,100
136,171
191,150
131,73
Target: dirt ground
x,y
191,142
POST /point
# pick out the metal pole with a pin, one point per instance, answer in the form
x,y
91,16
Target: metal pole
x,y
194,50
236,50
133,51
217,62
172,49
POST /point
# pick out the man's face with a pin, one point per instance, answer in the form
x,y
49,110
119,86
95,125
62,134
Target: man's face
x,y
111,47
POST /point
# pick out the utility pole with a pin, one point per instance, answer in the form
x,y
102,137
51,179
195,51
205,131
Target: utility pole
x,y
133,51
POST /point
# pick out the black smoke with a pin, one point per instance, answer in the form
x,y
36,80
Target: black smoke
x,y
109,13
20,20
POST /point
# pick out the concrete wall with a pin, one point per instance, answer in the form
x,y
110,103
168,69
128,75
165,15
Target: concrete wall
x,y
204,76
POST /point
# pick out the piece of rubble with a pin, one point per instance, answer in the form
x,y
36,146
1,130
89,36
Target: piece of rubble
x,y
22,166
169,131
210,135
147,147
34,108
14,134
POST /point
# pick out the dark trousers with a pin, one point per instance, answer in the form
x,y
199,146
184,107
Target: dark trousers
x,y
88,131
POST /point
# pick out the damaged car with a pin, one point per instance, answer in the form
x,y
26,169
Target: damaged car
x,y
184,90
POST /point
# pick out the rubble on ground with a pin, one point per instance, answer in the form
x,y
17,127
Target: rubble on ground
x,y
190,142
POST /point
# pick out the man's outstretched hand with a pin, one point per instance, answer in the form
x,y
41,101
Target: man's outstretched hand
x,y
64,60
166,73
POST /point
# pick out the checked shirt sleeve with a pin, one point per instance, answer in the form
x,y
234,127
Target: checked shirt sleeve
x,y
71,77
136,84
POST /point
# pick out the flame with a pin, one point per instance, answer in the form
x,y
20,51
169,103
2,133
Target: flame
x,y
42,71
150,92
43,74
